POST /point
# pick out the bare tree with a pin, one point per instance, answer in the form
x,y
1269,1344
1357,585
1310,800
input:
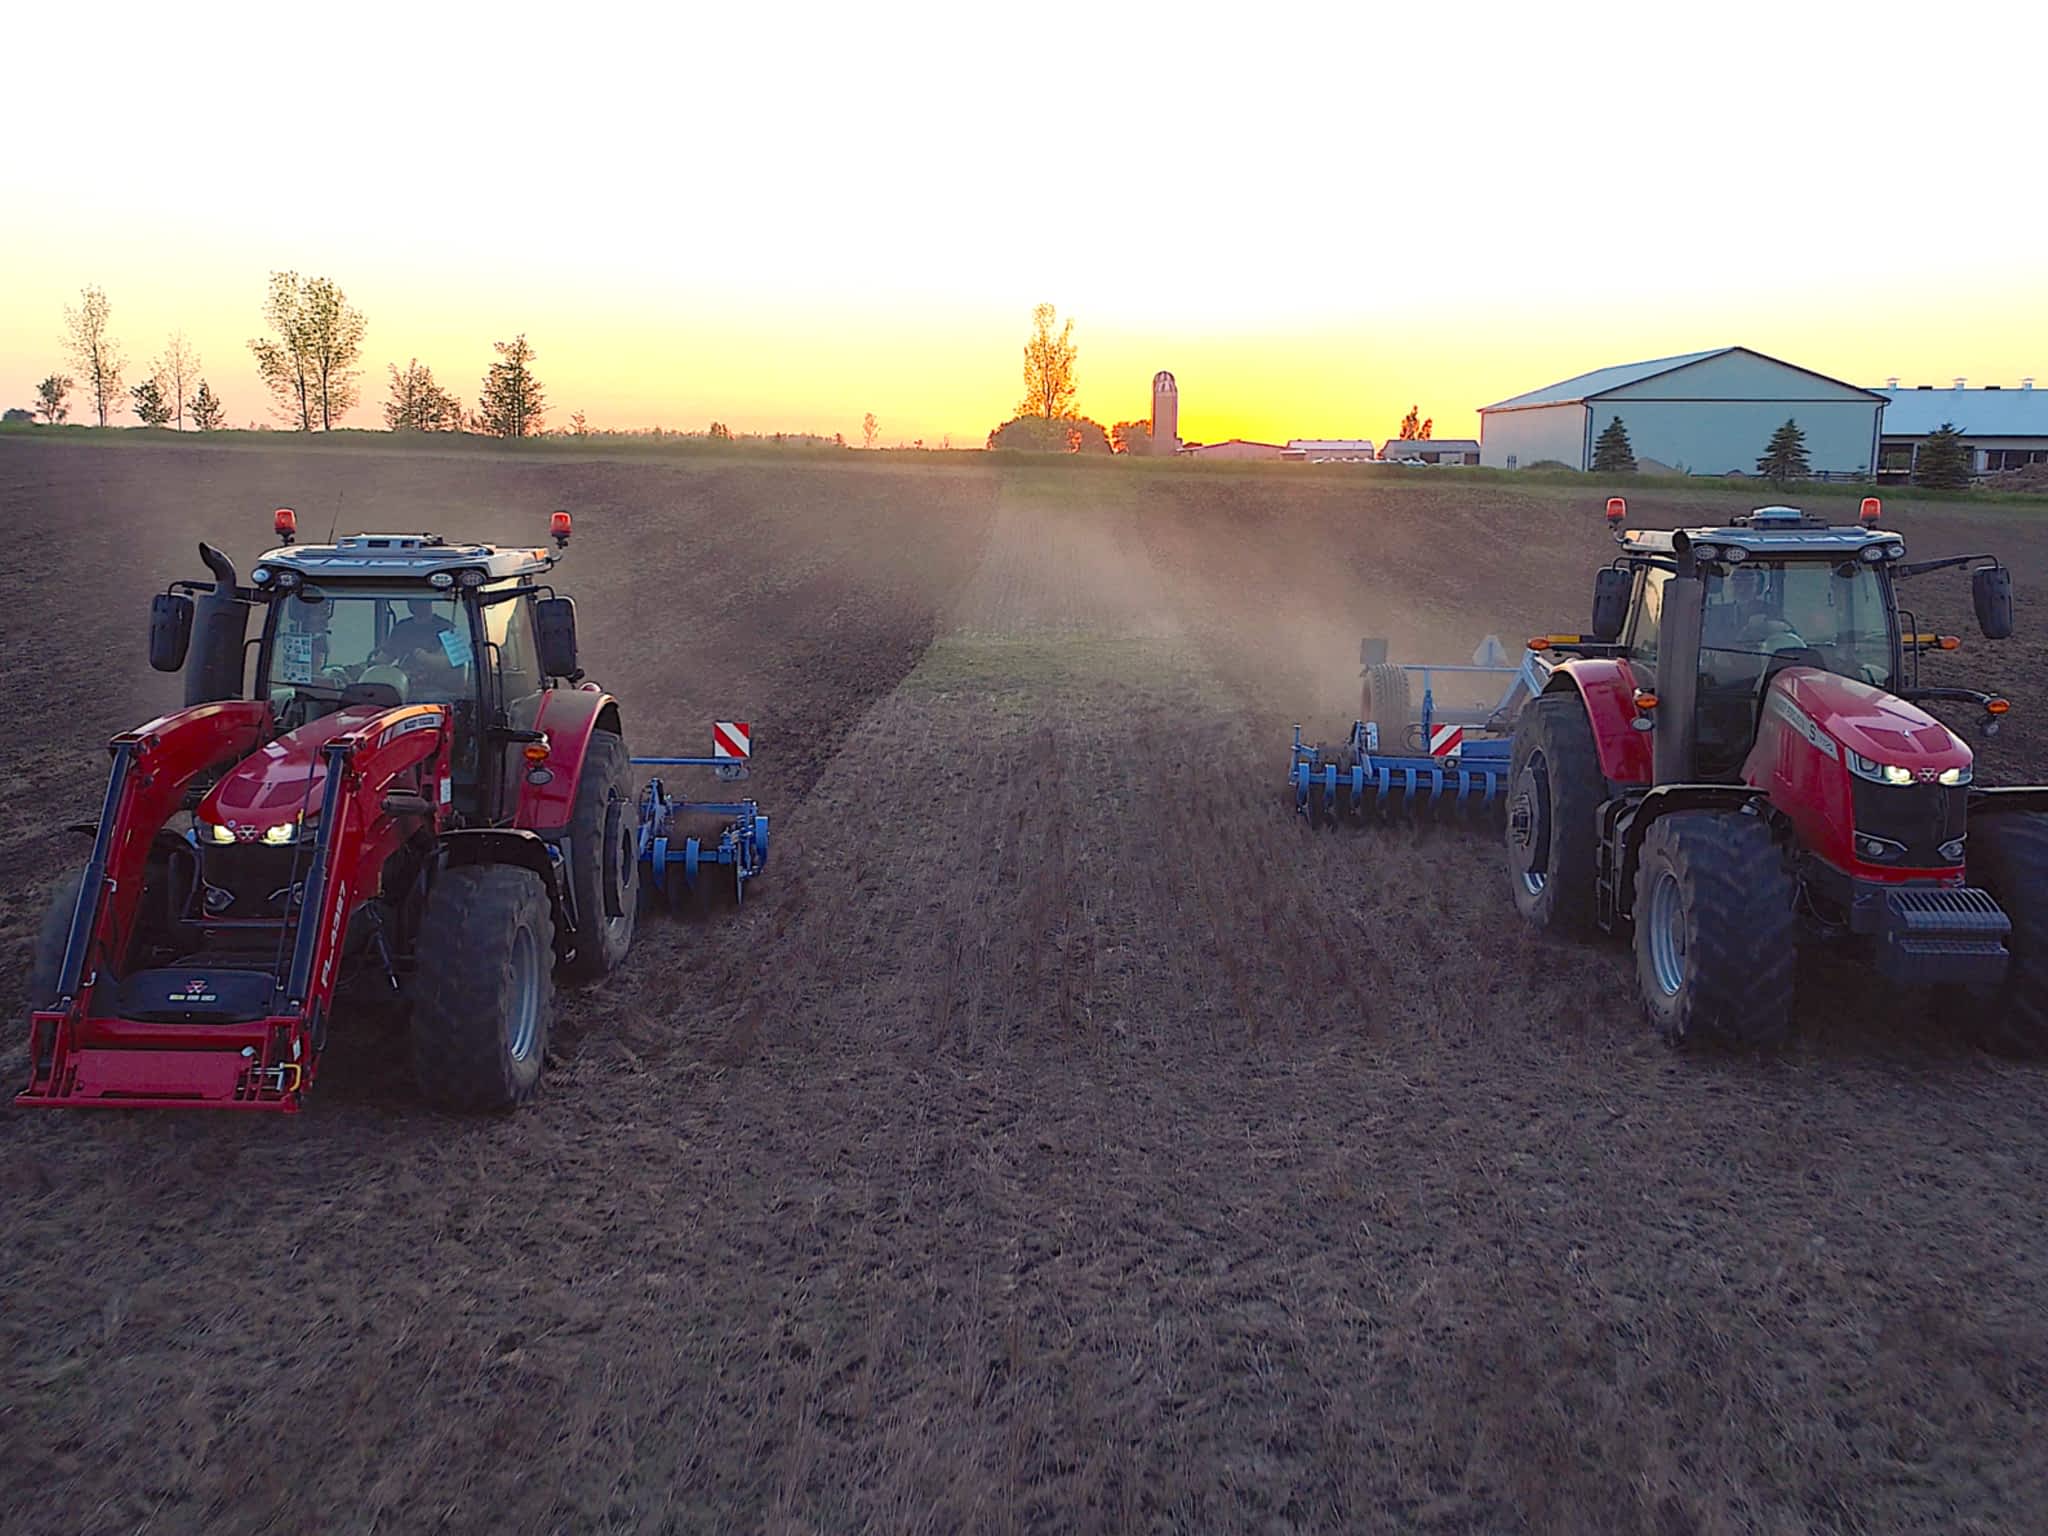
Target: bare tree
x,y
50,397
95,353
513,402
868,428
310,367
1048,367
179,370
578,425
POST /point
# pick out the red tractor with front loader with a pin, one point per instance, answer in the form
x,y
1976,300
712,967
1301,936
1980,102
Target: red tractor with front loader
x,y
420,794
1736,762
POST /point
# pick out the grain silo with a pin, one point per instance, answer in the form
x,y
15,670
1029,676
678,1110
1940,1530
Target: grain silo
x,y
1165,413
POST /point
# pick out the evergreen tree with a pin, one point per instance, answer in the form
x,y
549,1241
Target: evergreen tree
x,y
1943,463
207,411
1612,454
1784,457
151,408
512,404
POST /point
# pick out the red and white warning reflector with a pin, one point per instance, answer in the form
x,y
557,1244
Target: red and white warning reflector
x,y
732,738
1446,740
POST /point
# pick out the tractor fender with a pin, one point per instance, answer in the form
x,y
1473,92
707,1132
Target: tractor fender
x,y
1608,688
1629,827
568,716
516,846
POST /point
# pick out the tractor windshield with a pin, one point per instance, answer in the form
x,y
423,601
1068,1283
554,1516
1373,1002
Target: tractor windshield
x,y
1763,615
357,645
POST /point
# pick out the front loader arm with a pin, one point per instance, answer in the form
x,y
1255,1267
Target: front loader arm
x,y
153,766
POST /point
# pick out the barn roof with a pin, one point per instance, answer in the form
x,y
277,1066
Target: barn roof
x,y
1603,381
1975,412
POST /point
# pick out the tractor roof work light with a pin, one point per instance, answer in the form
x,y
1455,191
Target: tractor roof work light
x,y
284,522
1872,509
558,529
1617,511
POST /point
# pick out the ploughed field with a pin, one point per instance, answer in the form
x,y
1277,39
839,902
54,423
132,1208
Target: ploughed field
x,y
1068,1137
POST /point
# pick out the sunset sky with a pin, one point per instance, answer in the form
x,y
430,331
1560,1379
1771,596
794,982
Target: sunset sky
x,y
1314,218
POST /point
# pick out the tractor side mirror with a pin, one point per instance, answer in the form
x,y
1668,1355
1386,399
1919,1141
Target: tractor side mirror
x,y
555,626
1611,589
170,630
1991,591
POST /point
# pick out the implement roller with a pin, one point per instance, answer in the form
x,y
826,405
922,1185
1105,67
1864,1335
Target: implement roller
x,y
1444,756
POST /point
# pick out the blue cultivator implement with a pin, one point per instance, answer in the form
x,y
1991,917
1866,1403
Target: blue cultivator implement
x,y
1398,758
675,863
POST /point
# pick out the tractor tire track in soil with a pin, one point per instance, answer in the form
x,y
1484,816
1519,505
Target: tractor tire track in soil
x,y
1067,1138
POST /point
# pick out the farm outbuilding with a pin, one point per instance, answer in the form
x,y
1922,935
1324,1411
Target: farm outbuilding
x,y
1706,413
2003,429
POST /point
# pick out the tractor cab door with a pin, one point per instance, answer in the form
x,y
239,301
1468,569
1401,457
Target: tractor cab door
x,y
515,690
1646,612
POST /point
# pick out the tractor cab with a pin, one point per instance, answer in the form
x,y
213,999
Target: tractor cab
x,y
1715,614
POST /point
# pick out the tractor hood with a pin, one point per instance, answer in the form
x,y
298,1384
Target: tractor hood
x,y
1873,724
268,788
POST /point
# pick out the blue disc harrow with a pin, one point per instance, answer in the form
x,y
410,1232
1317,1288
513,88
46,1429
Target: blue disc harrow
x,y
677,862
1453,761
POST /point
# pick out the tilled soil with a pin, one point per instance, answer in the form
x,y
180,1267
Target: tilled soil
x,y
1067,1138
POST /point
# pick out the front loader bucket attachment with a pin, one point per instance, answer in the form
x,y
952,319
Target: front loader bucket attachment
x,y
677,864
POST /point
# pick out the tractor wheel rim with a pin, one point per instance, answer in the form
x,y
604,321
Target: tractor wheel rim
x,y
1529,825
1667,933
524,1024
628,876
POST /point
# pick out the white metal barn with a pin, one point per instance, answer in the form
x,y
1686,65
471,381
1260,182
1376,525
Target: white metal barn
x,y
1707,413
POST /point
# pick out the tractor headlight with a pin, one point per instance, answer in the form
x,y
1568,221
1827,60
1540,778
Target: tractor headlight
x,y
1706,551
1894,774
1879,850
1735,554
281,834
1878,773
1954,776
1953,850
217,832
1873,553
441,579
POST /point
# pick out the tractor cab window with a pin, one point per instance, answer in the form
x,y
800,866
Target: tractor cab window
x,y
351,646
1642,639
1762,616
508,634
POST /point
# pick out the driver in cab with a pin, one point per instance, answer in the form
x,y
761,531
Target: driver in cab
x,y
415,645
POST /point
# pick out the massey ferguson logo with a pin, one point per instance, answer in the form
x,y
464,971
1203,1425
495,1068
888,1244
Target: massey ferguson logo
x,y
1929,775
197,990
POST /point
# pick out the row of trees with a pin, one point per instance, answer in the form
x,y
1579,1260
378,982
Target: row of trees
x,y
1943,462
309,363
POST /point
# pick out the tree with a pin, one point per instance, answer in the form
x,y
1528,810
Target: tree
x,y
178,367
513,402
310,366
1943,462
417,403
720,432
1048,367
95,353
1784,457
1131,437
868,428
1415,427
1611,451
207,411
50,397
15,416
1062,434
578,425
151,408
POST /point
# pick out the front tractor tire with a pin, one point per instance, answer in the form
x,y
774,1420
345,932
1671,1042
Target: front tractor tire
x,y
484,994
1715,936
1554,795
2009,859
604,863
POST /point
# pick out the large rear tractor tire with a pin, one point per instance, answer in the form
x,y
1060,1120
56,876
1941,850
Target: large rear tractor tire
x,y
604,869
484,994
1383,703
1716,937
1554,793
2009,858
